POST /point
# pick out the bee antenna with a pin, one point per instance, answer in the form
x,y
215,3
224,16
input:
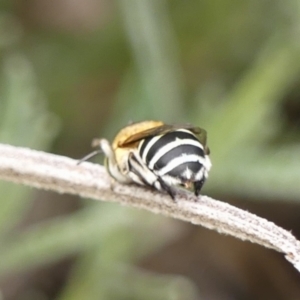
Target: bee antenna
x,y
90,155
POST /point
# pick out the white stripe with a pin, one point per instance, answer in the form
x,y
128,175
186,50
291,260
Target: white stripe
x,y
178,142
180,160
155,139
207,163
187,173
199,175
171,180
149,145
184,130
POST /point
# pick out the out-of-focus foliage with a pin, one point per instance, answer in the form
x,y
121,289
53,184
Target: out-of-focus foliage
x,y
24,120
228,66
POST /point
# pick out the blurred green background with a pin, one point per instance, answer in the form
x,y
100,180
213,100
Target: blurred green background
x,y
72,70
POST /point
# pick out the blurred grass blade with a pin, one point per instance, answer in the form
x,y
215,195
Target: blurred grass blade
x,y
105,223
97,271
264,174
53,240
155,51
24,121
249,107
117,281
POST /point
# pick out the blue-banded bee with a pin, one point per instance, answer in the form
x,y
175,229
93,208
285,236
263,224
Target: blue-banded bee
x,y
155,154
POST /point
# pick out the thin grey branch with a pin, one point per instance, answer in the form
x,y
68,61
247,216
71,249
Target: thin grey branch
x,y
63,175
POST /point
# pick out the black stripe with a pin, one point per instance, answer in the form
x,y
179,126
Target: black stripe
x,y
143,146
177,172
134,170
177,152
164,140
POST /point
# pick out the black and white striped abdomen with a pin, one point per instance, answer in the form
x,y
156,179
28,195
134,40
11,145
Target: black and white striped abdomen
x,y
175,154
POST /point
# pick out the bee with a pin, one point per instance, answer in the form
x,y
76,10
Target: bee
x,y
158,155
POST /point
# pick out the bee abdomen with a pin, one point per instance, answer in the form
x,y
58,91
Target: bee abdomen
x,y
177,154
181,152
151,145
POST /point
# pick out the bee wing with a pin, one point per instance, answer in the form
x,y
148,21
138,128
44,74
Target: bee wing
x,y
146,133
199,132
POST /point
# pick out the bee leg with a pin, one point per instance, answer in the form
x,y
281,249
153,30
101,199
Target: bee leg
x,y
139,172
167,188
198,186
